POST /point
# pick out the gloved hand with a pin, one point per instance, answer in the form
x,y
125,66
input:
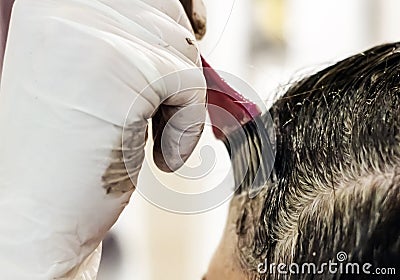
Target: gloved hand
x,y
73,69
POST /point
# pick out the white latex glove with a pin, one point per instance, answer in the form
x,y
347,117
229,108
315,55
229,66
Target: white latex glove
x,y
72,69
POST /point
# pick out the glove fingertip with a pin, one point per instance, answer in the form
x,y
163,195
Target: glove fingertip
x,y
172,155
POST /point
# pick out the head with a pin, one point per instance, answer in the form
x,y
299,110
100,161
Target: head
x,y
335,185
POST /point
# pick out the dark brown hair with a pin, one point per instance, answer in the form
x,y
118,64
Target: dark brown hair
x,y
336,179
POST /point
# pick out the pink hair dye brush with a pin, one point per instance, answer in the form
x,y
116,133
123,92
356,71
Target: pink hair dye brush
x,y
239,124
223,97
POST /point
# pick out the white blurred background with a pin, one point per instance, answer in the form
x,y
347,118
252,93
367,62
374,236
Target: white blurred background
x,y
267,43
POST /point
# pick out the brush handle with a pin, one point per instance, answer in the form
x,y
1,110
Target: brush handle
x,y
228,109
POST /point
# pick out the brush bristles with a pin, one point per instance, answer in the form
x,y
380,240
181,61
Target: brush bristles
x,y
252,155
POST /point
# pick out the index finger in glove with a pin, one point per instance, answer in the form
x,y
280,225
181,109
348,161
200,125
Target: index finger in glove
x,y
5,14
179,121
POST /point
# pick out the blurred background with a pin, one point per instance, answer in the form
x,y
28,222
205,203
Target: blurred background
x,y
269,44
